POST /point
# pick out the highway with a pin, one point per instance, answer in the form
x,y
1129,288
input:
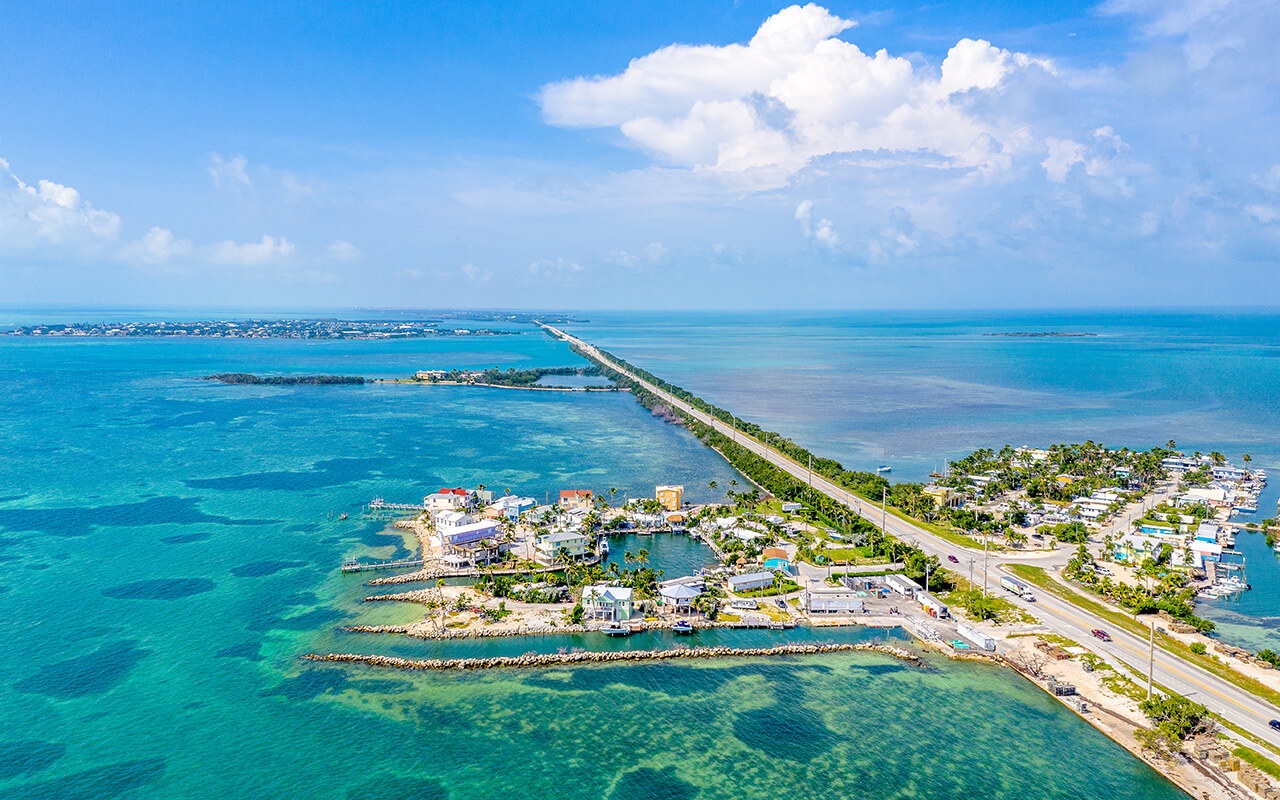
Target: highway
x,y
1233,704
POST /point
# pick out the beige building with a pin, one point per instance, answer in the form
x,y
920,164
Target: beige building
x,y
670,498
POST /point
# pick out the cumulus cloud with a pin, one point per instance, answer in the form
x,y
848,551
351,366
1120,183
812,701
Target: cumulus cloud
x,y
344,251
51,212
476,274
229,172
559,267
157,246
251,253
823,231
794,93
652,253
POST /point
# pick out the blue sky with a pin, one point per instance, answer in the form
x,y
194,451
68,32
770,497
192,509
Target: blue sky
x,y
620,155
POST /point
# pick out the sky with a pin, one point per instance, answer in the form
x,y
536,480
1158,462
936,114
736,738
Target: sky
x,y
667,155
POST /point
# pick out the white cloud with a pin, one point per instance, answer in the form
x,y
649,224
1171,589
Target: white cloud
x,y
554,268
344,251
476,274
823,231
51,212
157,246
229,173
1262,213
652,253
1063,155
251,253
794,93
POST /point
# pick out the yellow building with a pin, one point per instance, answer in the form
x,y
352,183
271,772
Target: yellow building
x,y
670,497
942,496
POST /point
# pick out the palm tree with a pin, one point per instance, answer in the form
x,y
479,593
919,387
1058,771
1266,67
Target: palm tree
x,y
642,557
712,486
628,558
612,491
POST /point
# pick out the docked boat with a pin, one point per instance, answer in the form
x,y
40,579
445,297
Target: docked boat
x,y
617,630
343,515
682,626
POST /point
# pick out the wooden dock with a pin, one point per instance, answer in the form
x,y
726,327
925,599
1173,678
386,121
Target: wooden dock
x,y
378,566
378,504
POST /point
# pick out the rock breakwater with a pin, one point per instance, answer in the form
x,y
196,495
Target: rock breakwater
x,y
597,657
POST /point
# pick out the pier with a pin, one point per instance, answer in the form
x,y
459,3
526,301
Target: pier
x,y
378,504
377,566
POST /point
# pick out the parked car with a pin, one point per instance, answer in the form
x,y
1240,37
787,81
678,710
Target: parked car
x,y
953,559
1101,634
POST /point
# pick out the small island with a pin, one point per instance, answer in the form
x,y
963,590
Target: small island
x,y
1041,334
244,378
263,329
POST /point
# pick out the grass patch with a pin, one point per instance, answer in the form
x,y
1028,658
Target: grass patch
x,y
787,587
1258,760
940,531
1040,578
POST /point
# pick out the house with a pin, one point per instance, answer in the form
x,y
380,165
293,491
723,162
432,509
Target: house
x,y
1091,511
1201,496
675,517
790,508
671,498
577,498
457,536
1157,529
827,600
1207,532
548,548
448,519
775,558
430,374
446,500
511,507
483,496
746,535
943,496
750,581
1226,472
612,603
678,597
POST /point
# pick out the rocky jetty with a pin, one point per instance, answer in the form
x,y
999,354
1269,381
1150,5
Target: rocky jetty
x,y
597,657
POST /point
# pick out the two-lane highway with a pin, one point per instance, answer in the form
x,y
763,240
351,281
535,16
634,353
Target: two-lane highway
x,y
1236,705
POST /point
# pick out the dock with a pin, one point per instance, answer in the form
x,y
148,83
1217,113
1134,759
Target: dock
x,y
377,566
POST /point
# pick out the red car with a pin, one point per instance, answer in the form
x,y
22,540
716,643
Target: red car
x,y
1101,634
953,559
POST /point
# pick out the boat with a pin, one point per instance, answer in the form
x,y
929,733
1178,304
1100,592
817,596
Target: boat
x,y
884,468
343,515
682,626
617,630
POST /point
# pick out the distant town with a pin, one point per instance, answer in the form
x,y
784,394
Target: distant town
x,y
262,329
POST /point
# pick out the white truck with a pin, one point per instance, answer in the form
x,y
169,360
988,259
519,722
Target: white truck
x,y
1017,587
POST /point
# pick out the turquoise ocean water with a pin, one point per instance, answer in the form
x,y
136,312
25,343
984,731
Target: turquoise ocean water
x,y
170,549
913,390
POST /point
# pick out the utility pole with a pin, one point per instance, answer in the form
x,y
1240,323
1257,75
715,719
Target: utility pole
x,y
811,470
927,569
985,542
971,563
884,514
1151,657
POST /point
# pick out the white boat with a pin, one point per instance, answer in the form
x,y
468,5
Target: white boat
x,y
884,468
